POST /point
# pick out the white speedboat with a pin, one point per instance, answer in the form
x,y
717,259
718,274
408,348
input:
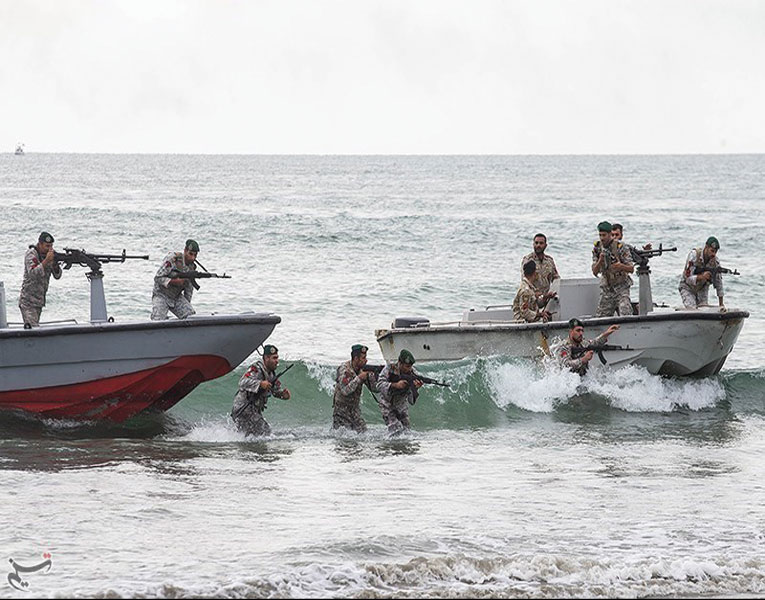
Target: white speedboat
x,y
663,340
109,370
19,149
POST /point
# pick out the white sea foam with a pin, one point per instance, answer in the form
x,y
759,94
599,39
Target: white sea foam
x,y
633,389
516,576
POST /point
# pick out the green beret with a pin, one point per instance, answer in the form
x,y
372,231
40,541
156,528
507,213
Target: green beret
x,y
605,226
270,349
713,243
192,245
575,323
406,357
358,349
45,238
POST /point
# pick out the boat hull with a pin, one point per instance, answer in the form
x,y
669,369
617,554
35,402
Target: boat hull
x,y
684,343
114,371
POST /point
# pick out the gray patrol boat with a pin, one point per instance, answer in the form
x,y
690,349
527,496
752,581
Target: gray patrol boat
x,y
109,370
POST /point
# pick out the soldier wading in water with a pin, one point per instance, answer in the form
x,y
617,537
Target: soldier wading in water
x,y
349,383
398,389
256,385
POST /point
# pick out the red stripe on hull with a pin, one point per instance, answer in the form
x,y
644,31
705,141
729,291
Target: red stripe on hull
x,y
120,397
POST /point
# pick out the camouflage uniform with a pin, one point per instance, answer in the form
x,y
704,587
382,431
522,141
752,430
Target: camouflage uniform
x,y
614,287
394,404
692,291
546,270
175,298
346,403
562,352
250,400
34,287
525,303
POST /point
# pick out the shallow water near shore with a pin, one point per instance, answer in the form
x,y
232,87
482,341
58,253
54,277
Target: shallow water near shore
x,y
520,480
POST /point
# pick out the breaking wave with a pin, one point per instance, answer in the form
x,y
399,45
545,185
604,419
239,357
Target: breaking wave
x,y
514,576
484,392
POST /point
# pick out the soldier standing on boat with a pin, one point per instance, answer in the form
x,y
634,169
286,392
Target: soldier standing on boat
x,y
349,383
396,393
256,385
565,353
39,265
612,261
547,272
174,294
527,304
701,269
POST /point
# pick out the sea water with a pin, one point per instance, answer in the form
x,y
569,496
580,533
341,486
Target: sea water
x,y
521,480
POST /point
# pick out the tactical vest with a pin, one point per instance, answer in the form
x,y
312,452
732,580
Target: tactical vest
x,y
611,278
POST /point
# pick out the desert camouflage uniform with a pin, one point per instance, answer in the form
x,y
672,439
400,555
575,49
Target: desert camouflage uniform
x,y
525,303
546,270
34,287
175,298
346,403
250,401
692,291
394,404
614,287
562,352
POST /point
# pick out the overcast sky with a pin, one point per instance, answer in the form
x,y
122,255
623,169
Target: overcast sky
x,y
361,77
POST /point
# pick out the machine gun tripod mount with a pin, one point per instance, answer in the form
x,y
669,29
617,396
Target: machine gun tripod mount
x,y
72,256
640,258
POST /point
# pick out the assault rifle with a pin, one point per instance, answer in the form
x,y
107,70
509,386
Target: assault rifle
x,y
410,379
373,368
283,371
640,257
194,275
715,270
73,256
577,351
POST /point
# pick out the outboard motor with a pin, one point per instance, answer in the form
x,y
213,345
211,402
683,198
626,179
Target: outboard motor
x,y
405,322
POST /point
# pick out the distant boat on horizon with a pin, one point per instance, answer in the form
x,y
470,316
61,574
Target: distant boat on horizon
x,y
19,149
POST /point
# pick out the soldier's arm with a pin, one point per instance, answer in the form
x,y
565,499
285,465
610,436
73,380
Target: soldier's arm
x,y
250,381
383,381
625,258
34,266
528,306
690,279
347,381
717,281
162,277
554,275
597,255
565,358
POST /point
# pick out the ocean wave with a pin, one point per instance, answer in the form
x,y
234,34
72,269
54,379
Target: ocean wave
x,y
463,576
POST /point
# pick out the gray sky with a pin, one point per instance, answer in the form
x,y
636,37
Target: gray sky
x,y
355,76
